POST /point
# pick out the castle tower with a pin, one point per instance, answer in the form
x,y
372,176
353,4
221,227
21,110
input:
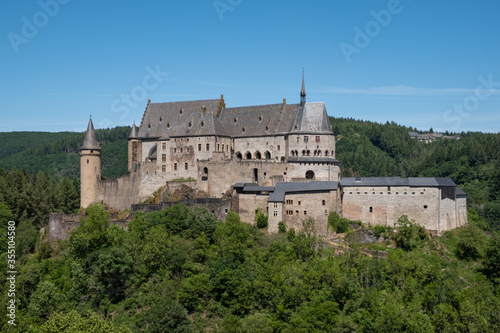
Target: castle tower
x,y
303,90
90,167
134,147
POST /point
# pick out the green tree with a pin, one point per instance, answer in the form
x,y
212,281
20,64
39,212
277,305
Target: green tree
x,y
167,316
75,323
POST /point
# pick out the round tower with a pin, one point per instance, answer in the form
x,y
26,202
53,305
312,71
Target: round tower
x,y
90,167
134,147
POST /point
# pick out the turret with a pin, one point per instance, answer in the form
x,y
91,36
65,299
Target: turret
x,y
90,167
134,147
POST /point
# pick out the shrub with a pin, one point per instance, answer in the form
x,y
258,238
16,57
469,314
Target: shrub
x,y
337,223
261,219
379,230
281,226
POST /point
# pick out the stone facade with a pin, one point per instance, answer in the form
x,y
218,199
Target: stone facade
x,y
278,158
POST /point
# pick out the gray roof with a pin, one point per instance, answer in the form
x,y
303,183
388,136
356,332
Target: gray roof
x,y
198,124
312,159
281,189
160,118
312,118
90,140
397,181
460,193
133,133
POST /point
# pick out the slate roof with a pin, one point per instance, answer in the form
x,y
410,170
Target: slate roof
x,y
312,159
460,193
397,181
133,133
165,120
90,140
281,189
160,118
198,124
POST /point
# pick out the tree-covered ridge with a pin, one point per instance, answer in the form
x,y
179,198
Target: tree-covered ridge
x,y
180,270
58,153
372,150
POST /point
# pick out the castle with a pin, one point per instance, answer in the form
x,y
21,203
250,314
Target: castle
x,y
279,158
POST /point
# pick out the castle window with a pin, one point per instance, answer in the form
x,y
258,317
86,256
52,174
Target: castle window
x,y
186,166
267,155
164,146
218,147
87,161
298,203
258,156
267,128
243,130
293,153
275,213
326,152
207,147
163,168
190,124
388,188
248,156
306,138
297,212
175,150
308,153
180,112
181,150
305,212
239,156
317,138
260,118
235,120
323,202
275,205
289,212
371,209
149,126
163,157
303,153
175,166
425,206
161,119
199,146
412,192
289,202
279,147
421,192
366,192
168,125
326,212
202,123
187,149
310,174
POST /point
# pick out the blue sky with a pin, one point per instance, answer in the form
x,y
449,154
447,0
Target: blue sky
x,y
420,63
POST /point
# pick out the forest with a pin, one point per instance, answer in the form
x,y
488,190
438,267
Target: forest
x,y
182,270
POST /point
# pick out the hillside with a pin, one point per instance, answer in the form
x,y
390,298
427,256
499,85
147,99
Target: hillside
x,y
366,148
57,153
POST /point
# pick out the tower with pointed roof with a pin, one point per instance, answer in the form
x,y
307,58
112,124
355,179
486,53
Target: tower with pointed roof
x,y
134,147
90,167
303,90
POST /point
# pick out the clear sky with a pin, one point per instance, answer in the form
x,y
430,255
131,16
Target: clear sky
x,y
421,63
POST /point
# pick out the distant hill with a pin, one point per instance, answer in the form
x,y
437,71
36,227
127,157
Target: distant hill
x,y
366,148
57,153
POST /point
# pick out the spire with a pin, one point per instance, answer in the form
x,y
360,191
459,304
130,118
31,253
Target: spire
x,y
303,90
90,140
133,133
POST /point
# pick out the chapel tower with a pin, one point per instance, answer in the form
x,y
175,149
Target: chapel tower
x,y
134,147
90,167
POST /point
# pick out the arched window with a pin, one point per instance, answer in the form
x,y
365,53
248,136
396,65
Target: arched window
x,y
319,152
310,174
293,153
326,152
205,170
296,153
308,153
303,153
248,155
267,155
315,152
258,156
239,156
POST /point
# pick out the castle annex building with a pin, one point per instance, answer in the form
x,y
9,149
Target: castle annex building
x,y
278,157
